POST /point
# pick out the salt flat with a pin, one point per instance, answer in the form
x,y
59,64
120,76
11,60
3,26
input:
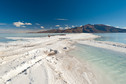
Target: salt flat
x,y
29,62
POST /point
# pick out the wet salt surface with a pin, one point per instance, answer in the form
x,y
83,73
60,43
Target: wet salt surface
x,y
112,64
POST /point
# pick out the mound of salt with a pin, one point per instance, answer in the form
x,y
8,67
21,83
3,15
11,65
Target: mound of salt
x,y
50,52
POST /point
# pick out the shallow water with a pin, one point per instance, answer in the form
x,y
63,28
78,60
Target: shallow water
x,y
114,37
112,64
4,35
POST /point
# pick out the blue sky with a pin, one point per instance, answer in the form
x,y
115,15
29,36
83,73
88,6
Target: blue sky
x,y
45,14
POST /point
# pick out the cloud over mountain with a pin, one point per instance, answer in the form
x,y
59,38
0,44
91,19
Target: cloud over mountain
x,y
42,27
57,25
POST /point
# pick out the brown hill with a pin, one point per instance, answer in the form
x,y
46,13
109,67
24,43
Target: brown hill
x,y
97,28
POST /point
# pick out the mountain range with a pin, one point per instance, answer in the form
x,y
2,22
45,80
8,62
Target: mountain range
x,y
89,28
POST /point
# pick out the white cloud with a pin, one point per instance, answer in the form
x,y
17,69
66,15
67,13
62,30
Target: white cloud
x,y
18,24
42,27
61,19
28,23
66,27
60,28
21,24
73,26
108,25
57,25
117,26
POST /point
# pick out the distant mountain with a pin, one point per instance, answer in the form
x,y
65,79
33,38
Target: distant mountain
x,y
96,28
